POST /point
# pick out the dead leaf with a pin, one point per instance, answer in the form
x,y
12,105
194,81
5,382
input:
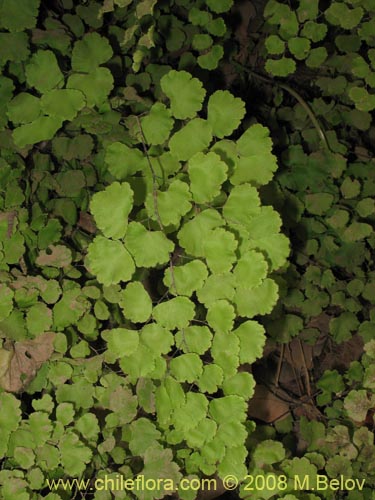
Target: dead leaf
x,y
25,360
266,406
55,256
9,218
339,356
86,222
300,355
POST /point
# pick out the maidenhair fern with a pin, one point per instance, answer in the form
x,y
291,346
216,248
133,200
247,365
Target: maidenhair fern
x,y
136,255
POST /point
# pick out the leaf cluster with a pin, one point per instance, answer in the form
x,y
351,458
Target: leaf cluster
x,y
336,45
131,277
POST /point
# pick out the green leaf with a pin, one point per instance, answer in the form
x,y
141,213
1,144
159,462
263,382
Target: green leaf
x,y
219,6
316,57
10,415
365,207
63,104
242,204
357,231
49,234
95,85
251,269
92,50
136,303
45,403
338,219
283,329
369,377
213,452
307,10
217,27
174,313
257,169
194,339
211,378
331,381
258,300
192,234
6,306
175,39
225,113
341,328
164,166
219,250
207,173
169,205
299,47
242,384
186,368
232,433
24,456
111,209
274,44
157,125
144,8
120,342
143,435
43,72
350,188
268,452
360,68
18,17
65,413
318,203
255,140
24,108
201,41
364,101
74,454
202,433
217,286
264,235
158,464
251,336
70,183
357,403
228,409
69,309
316,32
210,61
339,14
124,161
101,310
109,261
359,119
41,427
158,339
88,426
38,319
225,351
280,67
42,129
148,248
191,139
191,413
199,17
139,364
14,47
220,316
186,279
185,93
14,248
